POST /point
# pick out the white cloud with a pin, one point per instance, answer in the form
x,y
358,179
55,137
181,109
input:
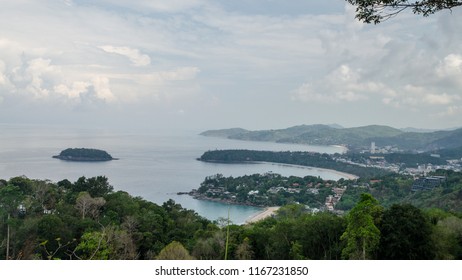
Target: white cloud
x,y
449,70
342,84
412,96
102,89
34,76
450,112
47,79
161,77
440,99
169,6
452,64
74,91
135,56
204,48
3,79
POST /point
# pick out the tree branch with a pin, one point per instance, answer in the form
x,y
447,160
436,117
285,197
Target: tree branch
x,y
376,11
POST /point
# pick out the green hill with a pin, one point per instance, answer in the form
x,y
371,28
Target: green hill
x,y
354,138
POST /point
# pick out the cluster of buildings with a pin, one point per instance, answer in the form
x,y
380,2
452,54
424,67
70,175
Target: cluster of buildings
x,y
427,183
423,169
381,150
275,190
373,161
377,160
332,200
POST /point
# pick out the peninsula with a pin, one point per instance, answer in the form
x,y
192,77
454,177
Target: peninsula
x,y
84,154
354,138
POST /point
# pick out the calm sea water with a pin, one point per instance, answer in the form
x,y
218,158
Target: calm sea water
x,y
154,166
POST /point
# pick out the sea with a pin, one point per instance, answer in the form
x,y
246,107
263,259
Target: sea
x,y
155,165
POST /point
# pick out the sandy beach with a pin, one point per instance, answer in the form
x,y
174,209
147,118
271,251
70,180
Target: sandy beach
x,y
267,212
343,174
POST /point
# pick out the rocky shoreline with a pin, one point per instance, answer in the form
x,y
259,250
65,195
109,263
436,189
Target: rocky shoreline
x,y
71,158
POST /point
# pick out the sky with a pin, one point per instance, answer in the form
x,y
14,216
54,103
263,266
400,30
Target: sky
x,y
203,64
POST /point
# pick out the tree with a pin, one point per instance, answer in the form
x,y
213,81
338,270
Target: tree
x,y
319,234
244,250
376,11
296,251
53,235
10,199
405,234
95,186
89,205
174,251
447,238
211,248
362,235
93,246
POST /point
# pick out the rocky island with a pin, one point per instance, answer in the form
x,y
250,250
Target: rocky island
x,y
84,154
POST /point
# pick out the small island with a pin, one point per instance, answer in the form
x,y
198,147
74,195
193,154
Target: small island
x,y
84,154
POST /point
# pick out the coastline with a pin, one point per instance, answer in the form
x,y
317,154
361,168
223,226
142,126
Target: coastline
x,y
267,212
348,176
198,196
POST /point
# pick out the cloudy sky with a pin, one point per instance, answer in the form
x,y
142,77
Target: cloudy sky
x,y
204,64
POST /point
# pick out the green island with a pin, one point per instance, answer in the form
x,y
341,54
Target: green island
x,y
84,154
393,217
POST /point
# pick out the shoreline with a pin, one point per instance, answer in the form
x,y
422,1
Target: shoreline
x,y
265,213
348,176
197,196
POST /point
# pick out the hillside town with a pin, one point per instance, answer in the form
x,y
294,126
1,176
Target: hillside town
x,y
375,157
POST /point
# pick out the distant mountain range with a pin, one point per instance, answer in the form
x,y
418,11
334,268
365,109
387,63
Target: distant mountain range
x,y
354,138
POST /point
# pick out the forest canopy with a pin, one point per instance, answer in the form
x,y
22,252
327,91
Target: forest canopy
x,y
87,219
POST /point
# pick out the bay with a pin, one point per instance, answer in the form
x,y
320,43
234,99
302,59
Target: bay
x,y
154,165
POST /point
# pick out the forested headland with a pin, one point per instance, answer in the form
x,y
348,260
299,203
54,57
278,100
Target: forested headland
x,y
272,189
87,219
310,159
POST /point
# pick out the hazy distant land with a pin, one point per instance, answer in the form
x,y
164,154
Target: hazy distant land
x,y
353,138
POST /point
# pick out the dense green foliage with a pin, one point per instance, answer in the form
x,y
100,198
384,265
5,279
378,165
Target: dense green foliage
x,y
272,189
296,158
295,234
448,196
362,235
413,160
394,188
406,234
84,154
455,153
367,232
87,219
